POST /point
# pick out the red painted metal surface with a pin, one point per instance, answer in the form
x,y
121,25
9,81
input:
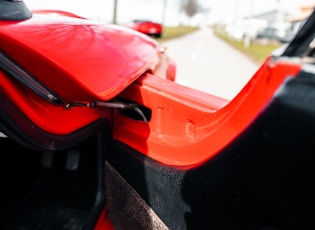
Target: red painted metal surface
x,y
53,119
189,127
78,60
103,222
98,61
82,61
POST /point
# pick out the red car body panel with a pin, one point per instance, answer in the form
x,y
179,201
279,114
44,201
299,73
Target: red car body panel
x,y
180,126
96,134
89,54
97,61
103,222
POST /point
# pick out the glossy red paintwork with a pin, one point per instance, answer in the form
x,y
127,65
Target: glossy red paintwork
x,y
103,222
51,118
82,61
97,61
78,60
189,127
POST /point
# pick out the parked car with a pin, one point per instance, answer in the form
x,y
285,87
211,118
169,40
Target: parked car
x,y
92,137
147,27
274,34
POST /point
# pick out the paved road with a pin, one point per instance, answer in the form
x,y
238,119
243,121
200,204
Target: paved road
x,y
207,63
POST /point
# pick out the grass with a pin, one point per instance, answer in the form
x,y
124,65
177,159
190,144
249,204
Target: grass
x,y
175,32
256,51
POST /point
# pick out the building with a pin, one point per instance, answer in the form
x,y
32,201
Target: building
x,y
297,20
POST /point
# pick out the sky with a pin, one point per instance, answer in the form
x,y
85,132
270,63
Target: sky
x,y
127,10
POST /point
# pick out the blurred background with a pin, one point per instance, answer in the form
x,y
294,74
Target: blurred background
x,y
225,41
172,12
246,20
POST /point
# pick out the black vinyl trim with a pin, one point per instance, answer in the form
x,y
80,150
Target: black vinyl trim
x,y
300,43
29,81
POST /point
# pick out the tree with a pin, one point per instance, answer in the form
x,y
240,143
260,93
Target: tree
x,y
115,12
164,11
191,7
